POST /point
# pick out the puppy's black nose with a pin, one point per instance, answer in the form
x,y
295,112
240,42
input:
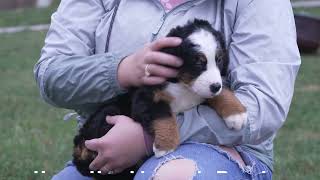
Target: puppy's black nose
x,y
214,88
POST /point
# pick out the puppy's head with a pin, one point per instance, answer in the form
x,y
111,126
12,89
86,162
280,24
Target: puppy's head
x,y
205,57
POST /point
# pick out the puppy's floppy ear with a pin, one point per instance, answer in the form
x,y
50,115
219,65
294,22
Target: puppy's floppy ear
x,y
176,32
222,57
176,51
222,60
186,51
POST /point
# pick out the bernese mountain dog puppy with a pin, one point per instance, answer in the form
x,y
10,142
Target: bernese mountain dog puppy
x,y
199,80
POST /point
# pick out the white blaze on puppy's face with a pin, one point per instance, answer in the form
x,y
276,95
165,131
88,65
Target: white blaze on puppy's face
x,y
207,45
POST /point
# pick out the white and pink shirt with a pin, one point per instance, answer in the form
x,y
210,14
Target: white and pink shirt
x,y
170,4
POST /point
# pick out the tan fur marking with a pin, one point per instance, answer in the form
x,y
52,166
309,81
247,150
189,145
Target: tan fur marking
x,y
226,104
161,95
77,151
166,133
185,78
83,153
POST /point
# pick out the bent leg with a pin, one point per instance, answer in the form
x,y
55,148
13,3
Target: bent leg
x,y
179,169
70,172
201,162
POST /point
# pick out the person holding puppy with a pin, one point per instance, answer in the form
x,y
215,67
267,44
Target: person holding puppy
x,y
96,50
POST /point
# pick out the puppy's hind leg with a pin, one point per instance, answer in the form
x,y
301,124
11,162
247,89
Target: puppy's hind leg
x,y
166,137
152,109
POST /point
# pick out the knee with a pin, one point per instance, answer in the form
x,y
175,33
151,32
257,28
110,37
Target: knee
x,y
70,172
178,169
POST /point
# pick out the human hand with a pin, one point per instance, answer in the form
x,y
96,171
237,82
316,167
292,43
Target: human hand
x,y
131,71
122,147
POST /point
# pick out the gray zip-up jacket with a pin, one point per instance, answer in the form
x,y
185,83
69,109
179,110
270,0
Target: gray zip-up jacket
x,y
76,72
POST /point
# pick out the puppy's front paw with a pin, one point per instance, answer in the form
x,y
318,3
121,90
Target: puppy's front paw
x,y
159,153
236,121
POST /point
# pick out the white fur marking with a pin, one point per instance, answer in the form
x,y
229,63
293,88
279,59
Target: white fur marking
x,y
184,98
158,153
202,84
207,43
236,121
208,46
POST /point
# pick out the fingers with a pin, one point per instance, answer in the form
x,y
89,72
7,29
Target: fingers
x,y
161,58
162,71
108,169
98,162
116,171
152,80
112,119
165,42
117,118
92,144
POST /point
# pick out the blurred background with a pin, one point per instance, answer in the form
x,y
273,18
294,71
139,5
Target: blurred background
x,y
35,138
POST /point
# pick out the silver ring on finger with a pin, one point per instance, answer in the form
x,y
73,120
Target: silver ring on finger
x,y
104,169
110,172
146,70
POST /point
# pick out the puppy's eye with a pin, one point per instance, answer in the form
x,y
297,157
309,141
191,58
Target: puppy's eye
x,y
203,58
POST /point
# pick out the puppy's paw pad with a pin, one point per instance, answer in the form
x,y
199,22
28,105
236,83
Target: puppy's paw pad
x,y
159,153
236,121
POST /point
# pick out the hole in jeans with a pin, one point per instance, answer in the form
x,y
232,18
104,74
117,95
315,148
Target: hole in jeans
x,y
176,169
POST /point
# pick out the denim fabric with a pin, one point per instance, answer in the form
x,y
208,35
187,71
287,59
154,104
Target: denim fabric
x,y
212,163
69,172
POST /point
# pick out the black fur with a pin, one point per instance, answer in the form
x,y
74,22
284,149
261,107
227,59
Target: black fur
x,y
145,110
186,51
139,103
96,127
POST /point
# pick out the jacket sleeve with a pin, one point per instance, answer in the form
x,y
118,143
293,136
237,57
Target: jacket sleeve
x,y
68,73
264,62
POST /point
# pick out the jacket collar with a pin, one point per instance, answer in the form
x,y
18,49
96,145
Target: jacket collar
x,y
184,6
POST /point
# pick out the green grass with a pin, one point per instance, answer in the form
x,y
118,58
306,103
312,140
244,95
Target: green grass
x,y
310,11
27,16
34,136
297,146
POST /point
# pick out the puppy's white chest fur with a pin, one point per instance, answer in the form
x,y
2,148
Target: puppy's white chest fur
x,y
184,98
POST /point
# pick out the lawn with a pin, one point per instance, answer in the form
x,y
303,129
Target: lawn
x,y
309,11
27,16
34,136
297,146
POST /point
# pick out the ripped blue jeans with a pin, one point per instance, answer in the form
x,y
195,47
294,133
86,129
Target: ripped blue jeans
x,y
212,163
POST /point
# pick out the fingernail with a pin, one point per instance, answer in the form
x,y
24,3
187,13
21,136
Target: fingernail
x,y
86,143
91,167
178,40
